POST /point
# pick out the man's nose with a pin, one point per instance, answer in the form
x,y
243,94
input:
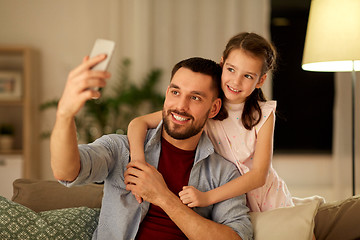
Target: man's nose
x,y
183,103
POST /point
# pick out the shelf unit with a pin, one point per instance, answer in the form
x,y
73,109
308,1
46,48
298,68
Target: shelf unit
x,y
23,113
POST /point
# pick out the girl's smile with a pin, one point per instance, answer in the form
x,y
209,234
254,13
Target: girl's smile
x,y
234,90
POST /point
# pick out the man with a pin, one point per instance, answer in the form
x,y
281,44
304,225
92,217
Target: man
x,y
178,148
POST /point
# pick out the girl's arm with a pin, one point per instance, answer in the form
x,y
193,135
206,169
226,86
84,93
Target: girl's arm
x,y
137,132
253,179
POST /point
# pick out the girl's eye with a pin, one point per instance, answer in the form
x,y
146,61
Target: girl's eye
x,y
231,70
248,76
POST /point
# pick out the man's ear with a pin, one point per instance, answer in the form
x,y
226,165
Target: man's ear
x,y
261,81
216,106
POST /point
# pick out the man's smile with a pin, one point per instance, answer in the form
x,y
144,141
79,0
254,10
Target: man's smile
x,y
180,117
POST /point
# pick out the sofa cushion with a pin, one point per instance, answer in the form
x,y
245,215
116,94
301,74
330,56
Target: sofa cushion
x,y
339,220
293,223
20,222
40,195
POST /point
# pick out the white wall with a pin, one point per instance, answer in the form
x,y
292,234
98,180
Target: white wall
x,y
307,175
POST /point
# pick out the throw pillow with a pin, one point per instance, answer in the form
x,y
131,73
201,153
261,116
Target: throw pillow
x,y
293,223
20,222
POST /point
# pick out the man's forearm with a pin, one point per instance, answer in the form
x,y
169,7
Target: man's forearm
x,y
192,224
65,159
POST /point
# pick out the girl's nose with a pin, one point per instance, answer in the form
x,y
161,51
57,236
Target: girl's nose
x,y
237,80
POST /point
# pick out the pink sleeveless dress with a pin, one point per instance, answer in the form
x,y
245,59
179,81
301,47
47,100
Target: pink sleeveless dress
x,y
237,144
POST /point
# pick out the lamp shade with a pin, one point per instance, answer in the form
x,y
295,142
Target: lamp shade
x,y
332,41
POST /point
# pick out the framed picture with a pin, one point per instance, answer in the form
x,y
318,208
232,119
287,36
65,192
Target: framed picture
x,y
10,85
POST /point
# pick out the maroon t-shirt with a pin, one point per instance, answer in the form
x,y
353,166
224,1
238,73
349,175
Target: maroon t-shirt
x,y
175,166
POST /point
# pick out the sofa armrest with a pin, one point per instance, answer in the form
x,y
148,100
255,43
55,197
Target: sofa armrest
x,y
338,220
41,195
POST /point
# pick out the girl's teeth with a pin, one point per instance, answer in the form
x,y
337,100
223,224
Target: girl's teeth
x,y
233,89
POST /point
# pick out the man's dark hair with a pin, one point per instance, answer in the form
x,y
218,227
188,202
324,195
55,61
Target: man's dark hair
x,y
210,68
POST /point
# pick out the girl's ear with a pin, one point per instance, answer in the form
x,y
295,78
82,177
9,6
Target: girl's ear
x,y
221,61
215,108
261,81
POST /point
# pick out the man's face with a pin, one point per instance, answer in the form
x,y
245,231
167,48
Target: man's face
x,y
189,102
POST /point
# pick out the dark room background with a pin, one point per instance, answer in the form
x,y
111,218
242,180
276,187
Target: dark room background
x,y
305,99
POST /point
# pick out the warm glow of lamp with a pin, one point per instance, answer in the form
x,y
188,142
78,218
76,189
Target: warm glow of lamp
x,y
332,44
332,41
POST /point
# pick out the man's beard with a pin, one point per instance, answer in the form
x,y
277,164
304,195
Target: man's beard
x,y
176,132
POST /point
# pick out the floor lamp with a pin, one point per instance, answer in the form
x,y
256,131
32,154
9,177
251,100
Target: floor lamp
x,y
332,44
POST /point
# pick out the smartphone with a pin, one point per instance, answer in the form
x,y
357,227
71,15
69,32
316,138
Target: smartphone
x,y
102,46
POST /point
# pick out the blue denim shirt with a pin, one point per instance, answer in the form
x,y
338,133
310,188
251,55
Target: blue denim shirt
x,y
120,216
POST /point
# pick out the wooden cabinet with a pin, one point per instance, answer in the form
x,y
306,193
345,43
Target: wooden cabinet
x,y
19,105
10,170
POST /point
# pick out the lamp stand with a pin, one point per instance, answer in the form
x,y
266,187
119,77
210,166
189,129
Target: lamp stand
x,y
353,88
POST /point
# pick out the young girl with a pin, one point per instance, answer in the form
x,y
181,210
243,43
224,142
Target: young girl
x,y
245,137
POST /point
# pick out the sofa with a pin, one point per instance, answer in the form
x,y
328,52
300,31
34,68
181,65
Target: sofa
x,y
42,209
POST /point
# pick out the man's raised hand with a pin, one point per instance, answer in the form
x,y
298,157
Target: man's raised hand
x,y
80,86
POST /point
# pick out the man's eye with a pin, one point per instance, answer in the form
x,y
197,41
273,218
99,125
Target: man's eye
x,y
175,92
195,98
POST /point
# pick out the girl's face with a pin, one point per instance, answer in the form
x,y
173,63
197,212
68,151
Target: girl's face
x,y
241,75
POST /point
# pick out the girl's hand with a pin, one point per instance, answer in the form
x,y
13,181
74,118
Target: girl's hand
x,y
137,197
192,197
